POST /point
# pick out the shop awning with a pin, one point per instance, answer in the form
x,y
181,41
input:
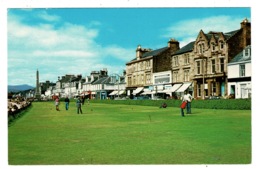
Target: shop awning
x,y
113,93
175,87
184,87
121,92
138,90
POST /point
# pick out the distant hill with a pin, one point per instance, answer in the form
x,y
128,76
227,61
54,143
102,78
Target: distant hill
x,y
18,88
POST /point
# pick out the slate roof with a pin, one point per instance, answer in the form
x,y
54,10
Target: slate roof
x,y
230,34
152,53
184,49
103,80
227,35
75,79
66,78
240,57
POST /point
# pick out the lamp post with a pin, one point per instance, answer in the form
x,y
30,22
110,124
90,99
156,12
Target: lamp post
x,y
203,79
70,88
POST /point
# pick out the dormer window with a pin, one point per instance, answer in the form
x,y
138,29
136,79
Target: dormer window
x,y
213,46
201,48
247,53
221,45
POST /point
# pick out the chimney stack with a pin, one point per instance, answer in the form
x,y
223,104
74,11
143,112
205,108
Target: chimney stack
x,y
246,32
174,44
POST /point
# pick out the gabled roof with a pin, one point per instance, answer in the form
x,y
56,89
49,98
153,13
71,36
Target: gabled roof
x,y
240,57
185,49
227,35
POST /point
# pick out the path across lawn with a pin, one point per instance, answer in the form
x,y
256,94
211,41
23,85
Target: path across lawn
x,y
123,134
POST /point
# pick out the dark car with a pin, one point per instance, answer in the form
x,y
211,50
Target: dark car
x,y
142,98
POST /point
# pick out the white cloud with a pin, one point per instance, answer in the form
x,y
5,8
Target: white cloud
x,y
45,16
120,52
58,50
187,30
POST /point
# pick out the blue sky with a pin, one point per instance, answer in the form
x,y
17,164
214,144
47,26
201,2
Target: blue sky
x,y
59,41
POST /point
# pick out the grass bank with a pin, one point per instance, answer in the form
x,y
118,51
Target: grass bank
x,y
129,134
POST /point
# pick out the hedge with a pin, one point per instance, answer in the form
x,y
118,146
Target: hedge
x,y
231,104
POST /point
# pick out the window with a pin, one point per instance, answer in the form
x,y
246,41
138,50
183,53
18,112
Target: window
x,y
201,48
129,81
221,44
244,91
186,75
242,70
186,59
148,64
247,53
222,64
148,78
198,65
213,46
175,61
213,66
175,76
160,79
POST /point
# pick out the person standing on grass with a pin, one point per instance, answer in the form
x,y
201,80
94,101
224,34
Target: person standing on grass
x,y
67,102
83,99
57,103
188,98
78,104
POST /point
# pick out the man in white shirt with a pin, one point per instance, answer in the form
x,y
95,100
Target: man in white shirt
x,y
188,98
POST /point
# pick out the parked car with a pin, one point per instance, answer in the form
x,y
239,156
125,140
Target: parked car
x,y
157,98
142,98
120,98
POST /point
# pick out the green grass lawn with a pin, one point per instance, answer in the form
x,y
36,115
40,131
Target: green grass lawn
x,y
123,134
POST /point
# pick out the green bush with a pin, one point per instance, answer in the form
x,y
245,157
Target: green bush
x,y
231,104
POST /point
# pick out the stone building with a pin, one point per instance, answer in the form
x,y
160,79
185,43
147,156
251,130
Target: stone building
x,y
182,69
140,70
212,52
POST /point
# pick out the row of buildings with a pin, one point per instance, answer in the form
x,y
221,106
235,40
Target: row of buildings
x,y
214,64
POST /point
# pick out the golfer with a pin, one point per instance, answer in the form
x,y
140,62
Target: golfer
x,y
78,104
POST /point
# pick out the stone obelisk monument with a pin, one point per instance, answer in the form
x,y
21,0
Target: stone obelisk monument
x,y
37,93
